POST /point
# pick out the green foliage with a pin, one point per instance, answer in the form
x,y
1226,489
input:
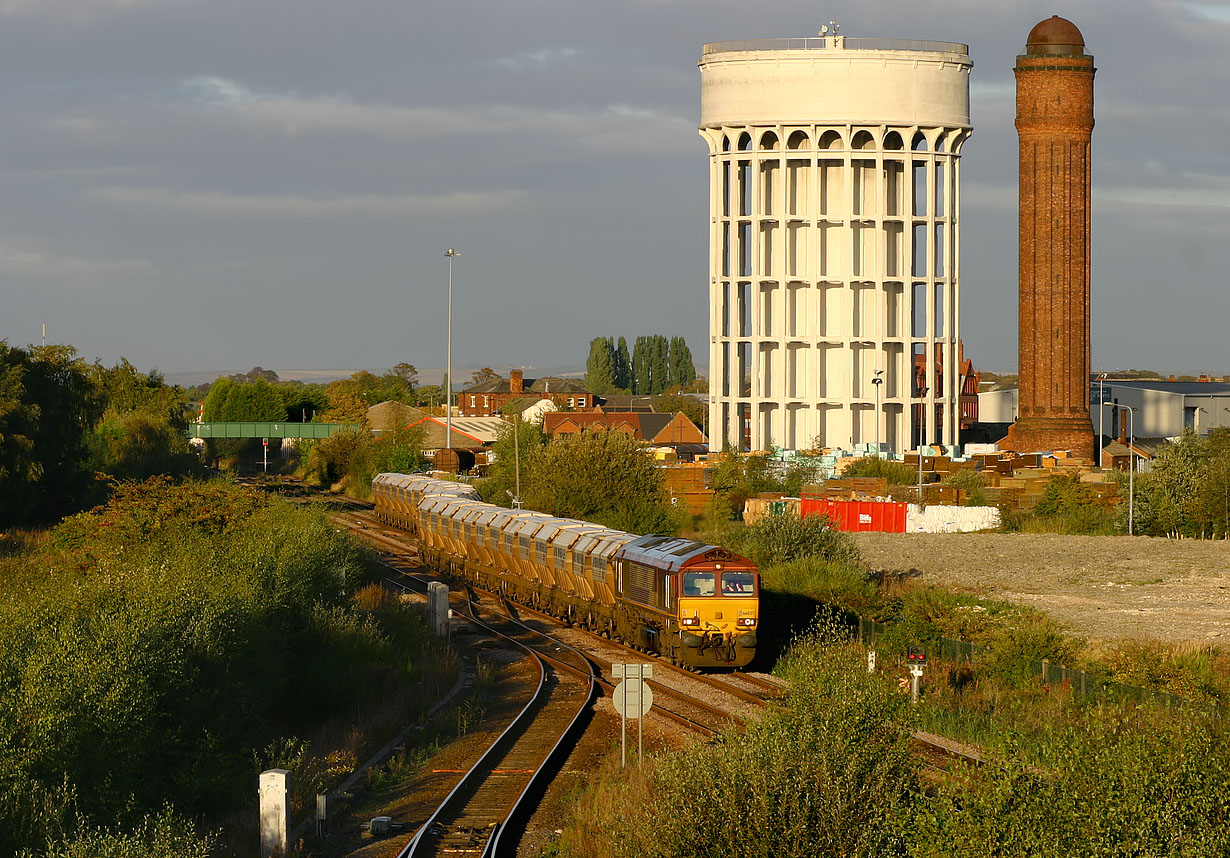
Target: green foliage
x,y
352,459
657,364
689,406
160,638
783,538
737,478
604,477
1109,783
166,835
1067,506
1187,489
802,471
518,441
48,405
600,367
623,366
823,581
682,370
829,773
969,482
897,473
232,401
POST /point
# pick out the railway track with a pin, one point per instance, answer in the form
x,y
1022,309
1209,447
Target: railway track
x,y
684,709
934,750
479,815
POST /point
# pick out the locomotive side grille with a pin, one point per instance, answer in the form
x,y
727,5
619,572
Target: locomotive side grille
x,y
638,582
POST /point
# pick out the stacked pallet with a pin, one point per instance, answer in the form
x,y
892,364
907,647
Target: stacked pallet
x,y
686,482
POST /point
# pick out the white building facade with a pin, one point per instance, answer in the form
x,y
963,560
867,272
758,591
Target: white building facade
x,y
834,240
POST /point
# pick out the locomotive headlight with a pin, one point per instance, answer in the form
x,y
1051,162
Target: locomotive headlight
x,y
689,621
747,621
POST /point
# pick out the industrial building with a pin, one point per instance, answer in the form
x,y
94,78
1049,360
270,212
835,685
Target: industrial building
x,y
834,262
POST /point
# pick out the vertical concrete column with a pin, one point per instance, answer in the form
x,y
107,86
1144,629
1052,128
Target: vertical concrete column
x,y
274,807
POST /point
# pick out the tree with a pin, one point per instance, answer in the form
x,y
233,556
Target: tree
x,y
600,367
256,373
641,374
500,484
1187,490
603,477
623,366
406,372
484,374
690,406
682,370
49,404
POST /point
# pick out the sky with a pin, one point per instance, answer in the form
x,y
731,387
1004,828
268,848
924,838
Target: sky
x,y
202,185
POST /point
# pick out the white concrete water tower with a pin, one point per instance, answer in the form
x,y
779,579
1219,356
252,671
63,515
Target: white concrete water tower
x,y
834,258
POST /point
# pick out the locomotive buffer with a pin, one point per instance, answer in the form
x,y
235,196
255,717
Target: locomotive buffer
x,y
632,698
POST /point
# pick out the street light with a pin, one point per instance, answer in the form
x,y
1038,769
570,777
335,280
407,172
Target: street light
x,y
877,381
922,431
1101,413
1131,456
448,377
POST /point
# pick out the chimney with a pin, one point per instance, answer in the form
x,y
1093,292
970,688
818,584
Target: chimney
x,y
516,383
1123,439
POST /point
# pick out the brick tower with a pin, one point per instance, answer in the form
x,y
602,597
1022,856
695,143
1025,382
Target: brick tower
x,y
1054,121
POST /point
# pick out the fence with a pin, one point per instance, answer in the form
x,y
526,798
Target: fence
x,y
1081,682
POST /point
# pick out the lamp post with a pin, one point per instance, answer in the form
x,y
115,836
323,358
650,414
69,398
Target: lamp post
x,y
877,381
448,377
922,430
1101,413
1131,456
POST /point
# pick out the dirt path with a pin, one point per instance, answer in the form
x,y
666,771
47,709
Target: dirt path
x,y
1102,587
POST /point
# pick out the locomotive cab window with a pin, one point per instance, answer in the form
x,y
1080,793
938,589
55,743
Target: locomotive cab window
x,y
698,583
738,584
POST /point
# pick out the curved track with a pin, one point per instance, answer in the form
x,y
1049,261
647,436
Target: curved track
x,y
480,814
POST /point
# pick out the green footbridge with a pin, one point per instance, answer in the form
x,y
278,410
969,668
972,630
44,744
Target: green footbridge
x,y
269,430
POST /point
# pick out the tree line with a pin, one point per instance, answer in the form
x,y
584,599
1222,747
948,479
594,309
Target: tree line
x,y
70,429
655,365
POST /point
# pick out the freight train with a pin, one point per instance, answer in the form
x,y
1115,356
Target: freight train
x,y
692,603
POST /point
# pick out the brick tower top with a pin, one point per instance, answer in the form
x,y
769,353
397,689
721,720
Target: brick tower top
x,y
1055,37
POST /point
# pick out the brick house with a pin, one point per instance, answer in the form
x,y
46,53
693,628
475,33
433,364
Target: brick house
x,y
488,398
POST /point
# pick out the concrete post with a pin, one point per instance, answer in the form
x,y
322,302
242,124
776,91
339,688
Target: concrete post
x,y
274,807
437,607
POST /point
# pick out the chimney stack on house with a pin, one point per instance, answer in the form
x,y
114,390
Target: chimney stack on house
x,y
516,382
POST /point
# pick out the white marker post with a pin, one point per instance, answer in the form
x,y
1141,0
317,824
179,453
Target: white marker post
x,y
274,807
633,699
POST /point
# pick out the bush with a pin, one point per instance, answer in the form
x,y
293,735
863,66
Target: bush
x,y
161,637
783,538
1108,784
897,473
829,773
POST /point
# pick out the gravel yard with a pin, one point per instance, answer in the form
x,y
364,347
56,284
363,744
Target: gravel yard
x,y
1101,587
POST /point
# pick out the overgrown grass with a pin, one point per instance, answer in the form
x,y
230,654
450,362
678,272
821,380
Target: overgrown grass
x,y
829,772
153,643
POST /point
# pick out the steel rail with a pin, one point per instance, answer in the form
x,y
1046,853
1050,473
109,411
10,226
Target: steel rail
x,y
504,742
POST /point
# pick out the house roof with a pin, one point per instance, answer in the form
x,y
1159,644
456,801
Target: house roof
x,y
547,384
390,415
469,433
645,426
625,402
